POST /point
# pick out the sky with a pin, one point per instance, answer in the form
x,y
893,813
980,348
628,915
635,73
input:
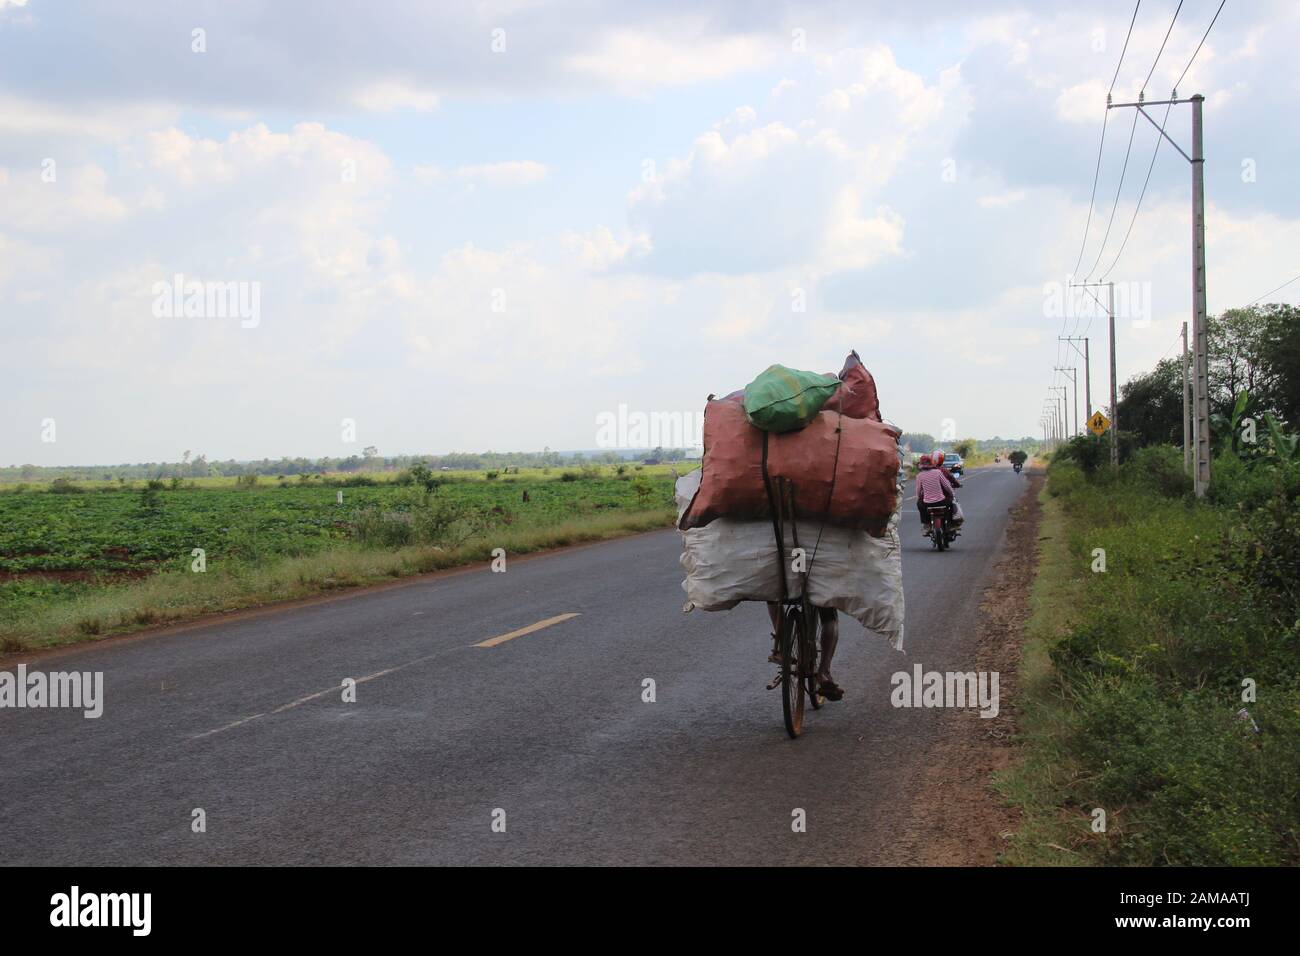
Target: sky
x,y
482,226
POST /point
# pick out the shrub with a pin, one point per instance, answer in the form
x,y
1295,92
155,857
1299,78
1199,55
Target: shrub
x,y
1161,468
62,486
420,518
1086,451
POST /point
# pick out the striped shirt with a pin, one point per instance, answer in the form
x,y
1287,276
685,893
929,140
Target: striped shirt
x,y
930,485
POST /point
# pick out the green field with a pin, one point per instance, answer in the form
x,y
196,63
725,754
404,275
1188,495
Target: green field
x,y
101,557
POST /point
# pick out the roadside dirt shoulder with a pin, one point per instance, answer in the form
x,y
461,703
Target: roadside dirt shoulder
x,y
957,818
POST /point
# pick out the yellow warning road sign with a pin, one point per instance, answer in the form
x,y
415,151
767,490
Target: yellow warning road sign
x,y
1098,424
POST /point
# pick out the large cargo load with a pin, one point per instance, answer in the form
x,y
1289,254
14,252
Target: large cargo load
x,y
845,470
728,561
839,484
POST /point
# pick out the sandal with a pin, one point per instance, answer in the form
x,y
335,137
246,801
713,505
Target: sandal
x,y
830,690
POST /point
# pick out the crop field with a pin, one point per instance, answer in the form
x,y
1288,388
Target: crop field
x,y
59,546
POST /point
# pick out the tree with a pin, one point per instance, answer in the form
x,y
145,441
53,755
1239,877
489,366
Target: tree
x,y
1282,357
1239,342
1151,405
917,441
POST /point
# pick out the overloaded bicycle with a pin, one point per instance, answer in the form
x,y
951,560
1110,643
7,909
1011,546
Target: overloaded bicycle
x,y
797,637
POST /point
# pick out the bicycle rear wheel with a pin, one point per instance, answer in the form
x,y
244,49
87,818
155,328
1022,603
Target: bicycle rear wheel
x,y
792,671
808,659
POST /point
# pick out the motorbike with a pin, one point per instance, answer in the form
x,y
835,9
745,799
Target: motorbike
x,y
1017,466
942,530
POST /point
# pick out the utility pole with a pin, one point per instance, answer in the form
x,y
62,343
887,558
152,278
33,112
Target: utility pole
x,y
1114,393
1087,370
1060,405
1187,412
1201,477
1114,388
1200,333
1074,380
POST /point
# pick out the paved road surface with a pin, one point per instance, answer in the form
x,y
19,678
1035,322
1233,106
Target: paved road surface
x,y
548,726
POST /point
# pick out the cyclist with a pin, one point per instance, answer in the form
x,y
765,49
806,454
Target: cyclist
x,y
830,638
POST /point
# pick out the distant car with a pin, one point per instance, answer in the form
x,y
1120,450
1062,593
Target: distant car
x,y
954,463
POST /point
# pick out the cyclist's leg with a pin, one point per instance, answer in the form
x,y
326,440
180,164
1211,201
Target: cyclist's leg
x,y
774,615
830,638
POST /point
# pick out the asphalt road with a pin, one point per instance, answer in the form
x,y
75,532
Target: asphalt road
x,y
245,719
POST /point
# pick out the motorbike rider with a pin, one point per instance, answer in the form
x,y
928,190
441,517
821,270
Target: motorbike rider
x,y
932,489
937,457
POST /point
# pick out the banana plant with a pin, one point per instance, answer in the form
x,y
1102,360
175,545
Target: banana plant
x,y
1232,426
1286,447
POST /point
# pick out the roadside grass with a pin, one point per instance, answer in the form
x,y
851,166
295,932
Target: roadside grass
x,y
86,612
1132,679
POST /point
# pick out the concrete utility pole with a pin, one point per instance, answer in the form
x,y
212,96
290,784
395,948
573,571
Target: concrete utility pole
x,y
1114,387
1060,406
1187,412
1087,370
1074,380
1200,333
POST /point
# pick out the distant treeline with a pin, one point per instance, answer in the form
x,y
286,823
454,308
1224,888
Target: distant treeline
x,y
199,466
922,441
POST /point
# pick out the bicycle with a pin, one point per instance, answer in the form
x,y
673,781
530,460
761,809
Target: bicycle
x,y
798,641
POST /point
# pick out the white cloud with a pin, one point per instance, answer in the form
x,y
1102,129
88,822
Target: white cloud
x,y
639,60
45,119
386,96
524,172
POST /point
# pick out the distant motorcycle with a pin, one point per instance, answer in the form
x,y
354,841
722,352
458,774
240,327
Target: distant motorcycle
x,y
1017,466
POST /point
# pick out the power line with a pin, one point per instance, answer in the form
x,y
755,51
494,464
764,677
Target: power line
x,y
1160,136
1087,224
1271,291
1199,45
1141,195
1123,172
1115,205
1171,348
1162,47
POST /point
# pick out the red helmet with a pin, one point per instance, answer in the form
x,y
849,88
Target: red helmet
x,y
937,458
925,462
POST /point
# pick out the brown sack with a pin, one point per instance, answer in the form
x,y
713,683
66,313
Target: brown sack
x,y
865,490
858,398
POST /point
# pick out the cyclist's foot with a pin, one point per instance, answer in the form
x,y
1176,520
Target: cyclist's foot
x,y
775,656
829,689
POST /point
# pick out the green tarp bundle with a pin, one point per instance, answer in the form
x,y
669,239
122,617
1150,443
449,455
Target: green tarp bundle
x,y
782,399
